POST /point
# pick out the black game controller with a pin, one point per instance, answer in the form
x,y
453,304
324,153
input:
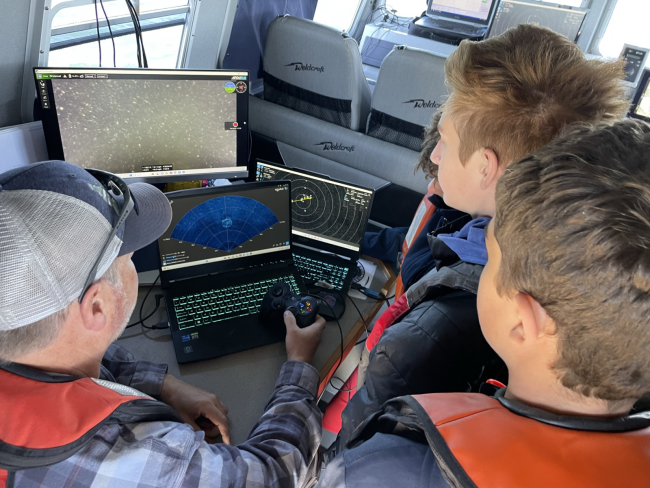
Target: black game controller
x,y
280,298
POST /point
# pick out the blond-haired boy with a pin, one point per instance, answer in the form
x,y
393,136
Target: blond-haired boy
x,y
509,95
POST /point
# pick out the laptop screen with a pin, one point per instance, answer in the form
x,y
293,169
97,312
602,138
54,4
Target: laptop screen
x,y
323,210
470,10
227,223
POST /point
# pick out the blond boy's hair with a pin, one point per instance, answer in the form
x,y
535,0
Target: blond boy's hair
x,y
514,93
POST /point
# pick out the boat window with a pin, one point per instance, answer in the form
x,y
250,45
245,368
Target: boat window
x,y
407,8
73,35
629,24
336,13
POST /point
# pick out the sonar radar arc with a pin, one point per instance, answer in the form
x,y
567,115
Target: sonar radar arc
x,y
224,223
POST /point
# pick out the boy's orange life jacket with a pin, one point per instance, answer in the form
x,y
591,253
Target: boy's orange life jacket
x,y
48,418
486,442
422,215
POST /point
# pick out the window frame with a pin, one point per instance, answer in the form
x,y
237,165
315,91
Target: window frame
x,y
47,32
39,33
605,17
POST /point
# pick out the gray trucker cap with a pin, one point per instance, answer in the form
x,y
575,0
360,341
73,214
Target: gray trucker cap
x,y
54,220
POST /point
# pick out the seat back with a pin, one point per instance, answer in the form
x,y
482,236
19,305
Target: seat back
x,y
410,88
316,70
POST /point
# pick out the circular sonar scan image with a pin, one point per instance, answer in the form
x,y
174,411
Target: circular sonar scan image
x,y
224,223
328,210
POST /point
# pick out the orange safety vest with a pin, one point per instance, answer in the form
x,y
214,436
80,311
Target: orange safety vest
x,y
422,215
486,442
48,418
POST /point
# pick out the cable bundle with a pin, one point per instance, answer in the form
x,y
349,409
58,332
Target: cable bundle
x,y
142,57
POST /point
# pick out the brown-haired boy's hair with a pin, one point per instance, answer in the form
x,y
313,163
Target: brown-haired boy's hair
x,y
431,138
514,93
573,224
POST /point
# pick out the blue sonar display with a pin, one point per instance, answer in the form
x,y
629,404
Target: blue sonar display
x,y
224,223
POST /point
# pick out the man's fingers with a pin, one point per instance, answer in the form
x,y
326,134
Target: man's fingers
x,y
221,406
218,418
317,327
320,322
290,321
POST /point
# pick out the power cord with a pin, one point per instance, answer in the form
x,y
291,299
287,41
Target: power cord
x,y
99,39
162,325
340,361
110,31
142,57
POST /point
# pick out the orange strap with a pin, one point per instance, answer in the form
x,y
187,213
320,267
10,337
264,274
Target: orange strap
x,y
422,215
500,449
27,399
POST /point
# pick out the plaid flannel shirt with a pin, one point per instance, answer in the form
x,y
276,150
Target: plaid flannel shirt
x,y
281,451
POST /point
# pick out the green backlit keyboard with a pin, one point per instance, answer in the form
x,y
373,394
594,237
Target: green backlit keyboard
x,y
316,270
224,303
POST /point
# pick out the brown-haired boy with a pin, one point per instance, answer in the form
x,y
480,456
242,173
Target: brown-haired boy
x,y
565,301
509,95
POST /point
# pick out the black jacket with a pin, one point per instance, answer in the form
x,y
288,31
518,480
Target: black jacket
x,y
437,347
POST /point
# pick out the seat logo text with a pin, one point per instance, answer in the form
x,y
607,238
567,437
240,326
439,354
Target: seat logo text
x,y
332,146
421,103
306,67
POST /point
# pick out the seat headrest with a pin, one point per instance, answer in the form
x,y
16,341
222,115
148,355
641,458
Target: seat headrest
x,y
317,70
410,89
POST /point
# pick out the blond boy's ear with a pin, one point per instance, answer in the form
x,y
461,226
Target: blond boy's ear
x,y
490,170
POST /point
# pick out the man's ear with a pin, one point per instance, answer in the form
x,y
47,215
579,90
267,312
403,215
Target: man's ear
x,y
94,308
489,168
533,317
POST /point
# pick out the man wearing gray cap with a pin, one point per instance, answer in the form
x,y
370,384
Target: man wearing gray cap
x,y
78,410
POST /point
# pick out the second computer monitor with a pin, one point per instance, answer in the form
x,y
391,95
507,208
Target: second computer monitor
x,y
565,21
476,11
326,213
152,125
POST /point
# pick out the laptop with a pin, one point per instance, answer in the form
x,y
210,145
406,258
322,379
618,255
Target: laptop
x,y
225,247
329,219
459,18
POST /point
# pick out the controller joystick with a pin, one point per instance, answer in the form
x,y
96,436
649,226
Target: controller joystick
x,y
280,298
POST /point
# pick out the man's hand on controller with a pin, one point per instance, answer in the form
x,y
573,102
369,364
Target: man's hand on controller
x,y
192,403
302,343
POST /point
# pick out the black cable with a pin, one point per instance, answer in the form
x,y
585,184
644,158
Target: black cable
x,y
342,351
365,326
99,39
142,56
110,31
145,299
142,306
133,15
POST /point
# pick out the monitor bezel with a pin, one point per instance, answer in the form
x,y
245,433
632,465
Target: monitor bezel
x,y
558,6
463,18
644,83
220,267
242,170
320,245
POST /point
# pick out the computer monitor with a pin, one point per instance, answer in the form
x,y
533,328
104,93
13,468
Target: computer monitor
x,y
563,20
219,228
145,124
327,214
640,108
475,11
